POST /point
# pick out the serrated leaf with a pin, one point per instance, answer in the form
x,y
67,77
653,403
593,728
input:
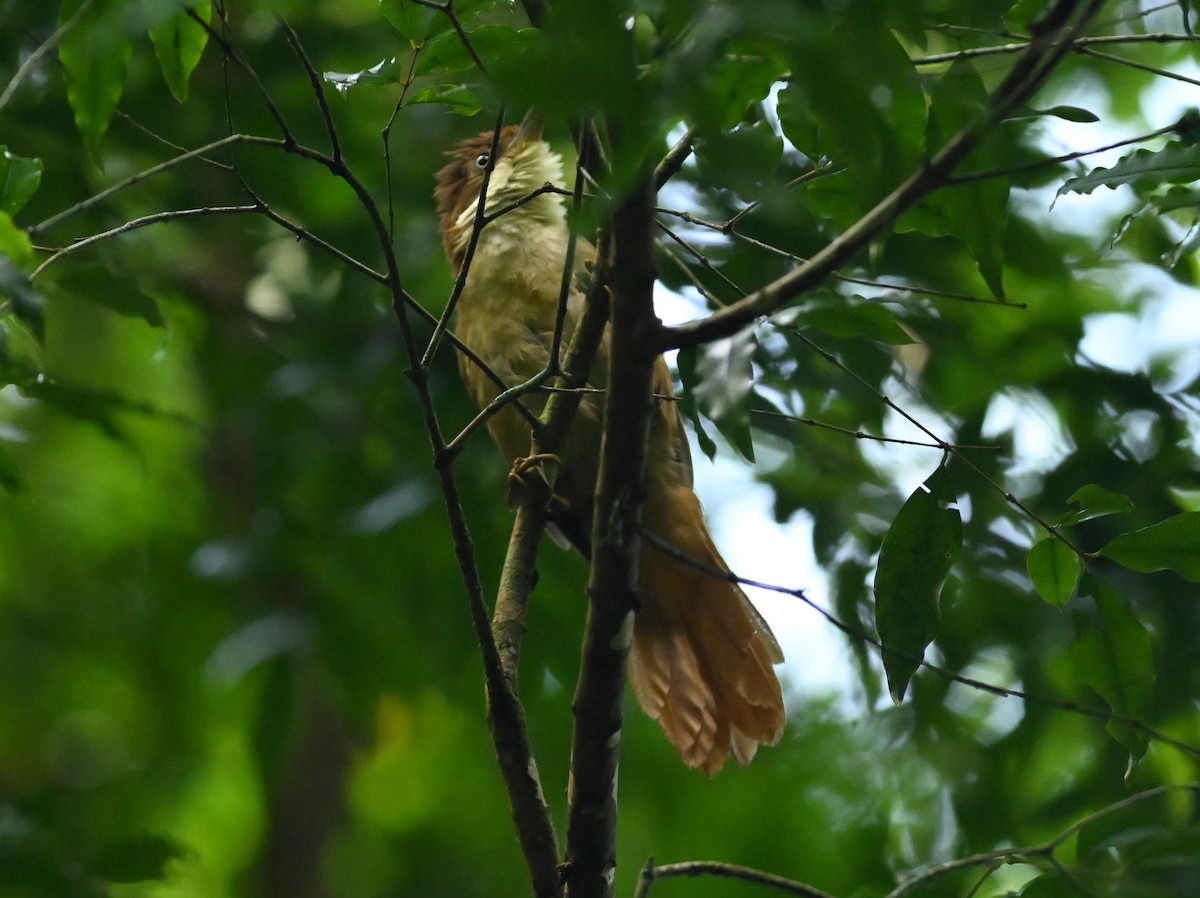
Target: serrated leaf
x,y
94,55
387,71
917,553
1054,570
1113,655
1094,502
1170,545
454,97
19,178
1176,163
179,42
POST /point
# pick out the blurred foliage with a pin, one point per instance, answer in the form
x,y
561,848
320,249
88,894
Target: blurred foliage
x,y
235,653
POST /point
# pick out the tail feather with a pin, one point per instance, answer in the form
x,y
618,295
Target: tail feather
x,y
702,656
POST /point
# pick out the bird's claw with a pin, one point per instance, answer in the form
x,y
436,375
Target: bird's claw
x,y
523,483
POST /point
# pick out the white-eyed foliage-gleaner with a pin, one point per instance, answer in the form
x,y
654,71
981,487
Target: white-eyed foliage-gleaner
x,y
702,656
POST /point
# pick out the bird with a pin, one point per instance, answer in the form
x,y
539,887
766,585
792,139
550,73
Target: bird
x,y
702,657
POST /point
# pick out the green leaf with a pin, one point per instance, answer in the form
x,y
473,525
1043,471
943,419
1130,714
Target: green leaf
x,y
94,54
454,97
448,53
16,288
976,212
917,554
742,159
884,137
19,178
1054,570
14,242
1113,655
409,20
686,364
11,478
846,317
1095,502
1170,545
725,379
1176,163
1066,113
179,42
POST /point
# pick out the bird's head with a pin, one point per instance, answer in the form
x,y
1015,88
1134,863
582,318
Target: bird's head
x,y
523,163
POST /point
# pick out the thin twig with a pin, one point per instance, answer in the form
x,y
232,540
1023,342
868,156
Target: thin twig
x,y
318,89
42,49
858,633
650,873
135,224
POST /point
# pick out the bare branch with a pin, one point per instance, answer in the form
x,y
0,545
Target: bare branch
x,y
135,224
650,873
318,89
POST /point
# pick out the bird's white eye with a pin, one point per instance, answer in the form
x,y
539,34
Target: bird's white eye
x,y
482,160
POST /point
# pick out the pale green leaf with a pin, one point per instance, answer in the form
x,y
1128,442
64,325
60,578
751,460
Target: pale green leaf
x,y
1177,163
94,54
179,42
1054,570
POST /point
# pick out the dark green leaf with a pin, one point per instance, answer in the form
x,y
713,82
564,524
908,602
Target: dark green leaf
x,y
16,288
1054,570
686,363
725,379
19,178
11,478
849,316
179,42
454,97
14,243
917,554
1177,163
1066,113
1170,545
1095,502
448,53
1112,654
137,859
94,54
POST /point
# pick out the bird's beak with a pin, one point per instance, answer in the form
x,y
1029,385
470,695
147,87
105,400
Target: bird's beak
x,y
530,129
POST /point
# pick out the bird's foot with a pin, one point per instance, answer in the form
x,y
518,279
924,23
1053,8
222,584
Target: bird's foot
x,y
531,476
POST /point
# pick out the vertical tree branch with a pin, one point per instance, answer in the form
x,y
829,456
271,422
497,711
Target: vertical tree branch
x,y
595,749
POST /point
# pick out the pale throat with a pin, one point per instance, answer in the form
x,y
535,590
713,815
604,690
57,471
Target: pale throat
x,y
528,242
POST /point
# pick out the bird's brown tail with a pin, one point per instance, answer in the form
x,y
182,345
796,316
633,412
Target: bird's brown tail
x,y
702,656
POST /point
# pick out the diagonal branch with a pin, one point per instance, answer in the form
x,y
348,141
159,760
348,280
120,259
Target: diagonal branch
x,y
1062,24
